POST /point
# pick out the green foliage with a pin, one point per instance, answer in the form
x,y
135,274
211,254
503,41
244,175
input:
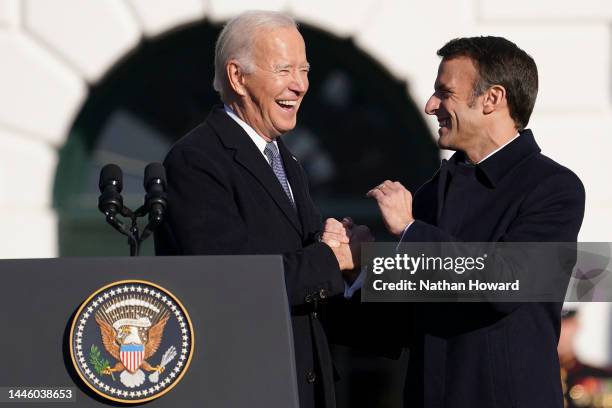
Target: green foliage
x,y
96,360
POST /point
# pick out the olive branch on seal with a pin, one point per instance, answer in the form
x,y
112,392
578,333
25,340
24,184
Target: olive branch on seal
x,y
99,364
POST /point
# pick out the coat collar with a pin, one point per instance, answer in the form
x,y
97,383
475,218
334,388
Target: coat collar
x,y
496,167
233,137
491,171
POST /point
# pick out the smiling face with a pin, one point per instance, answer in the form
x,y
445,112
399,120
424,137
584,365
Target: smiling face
x,y
459,112
273,91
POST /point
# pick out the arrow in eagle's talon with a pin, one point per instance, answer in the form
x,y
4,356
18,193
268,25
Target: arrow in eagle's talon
x,y
108,371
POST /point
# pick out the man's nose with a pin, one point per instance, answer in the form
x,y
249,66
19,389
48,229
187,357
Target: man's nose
x,y
299,83
432,105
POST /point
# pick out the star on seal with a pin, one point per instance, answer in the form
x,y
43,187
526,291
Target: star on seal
x,y
123,332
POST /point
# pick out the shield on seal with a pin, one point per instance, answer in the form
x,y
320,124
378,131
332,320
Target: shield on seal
x,y
131,356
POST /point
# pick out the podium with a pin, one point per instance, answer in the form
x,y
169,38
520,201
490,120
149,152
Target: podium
x,y
243,348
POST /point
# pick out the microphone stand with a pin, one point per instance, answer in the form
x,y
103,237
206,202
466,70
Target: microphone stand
x,y
131,233
133,240
154,222
135,237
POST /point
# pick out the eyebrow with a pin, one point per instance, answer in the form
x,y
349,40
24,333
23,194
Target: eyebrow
x,y
287,66
441,87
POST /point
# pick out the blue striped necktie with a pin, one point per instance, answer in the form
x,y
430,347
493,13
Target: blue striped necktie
x,y
271,152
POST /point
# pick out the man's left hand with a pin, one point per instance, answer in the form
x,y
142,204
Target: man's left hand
x,y
395,204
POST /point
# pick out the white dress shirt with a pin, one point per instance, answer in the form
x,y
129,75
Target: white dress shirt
x,y
255,137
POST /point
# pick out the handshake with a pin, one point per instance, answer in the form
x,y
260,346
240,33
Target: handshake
x,y
345,238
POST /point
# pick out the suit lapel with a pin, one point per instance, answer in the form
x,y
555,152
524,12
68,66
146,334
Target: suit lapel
x,y
298,187
255,163
442,184
249,157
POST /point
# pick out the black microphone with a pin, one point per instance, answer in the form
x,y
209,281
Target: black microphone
x,y
155,186
110,201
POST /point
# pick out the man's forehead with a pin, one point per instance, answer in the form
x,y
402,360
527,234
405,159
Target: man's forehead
x,y
272,37
278,48
455,69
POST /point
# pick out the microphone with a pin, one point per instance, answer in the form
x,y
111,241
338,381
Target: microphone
x,y
110,201
155,186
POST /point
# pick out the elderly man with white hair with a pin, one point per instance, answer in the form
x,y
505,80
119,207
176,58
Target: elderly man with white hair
x,y
234,188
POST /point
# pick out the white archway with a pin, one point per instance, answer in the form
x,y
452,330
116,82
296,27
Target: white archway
x,y
52,51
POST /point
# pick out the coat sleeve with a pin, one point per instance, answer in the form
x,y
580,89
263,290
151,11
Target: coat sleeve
x,y
203,219
551,212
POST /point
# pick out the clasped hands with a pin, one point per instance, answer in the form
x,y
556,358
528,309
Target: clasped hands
x,y
345,238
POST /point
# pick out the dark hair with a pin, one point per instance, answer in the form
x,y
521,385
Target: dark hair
x,y
500,62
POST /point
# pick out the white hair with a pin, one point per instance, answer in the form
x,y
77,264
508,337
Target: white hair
x,y
236,42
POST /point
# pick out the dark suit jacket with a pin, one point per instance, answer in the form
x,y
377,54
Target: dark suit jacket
x,y
223,198
493,355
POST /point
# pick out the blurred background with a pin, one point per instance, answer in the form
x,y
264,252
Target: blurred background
x,y
84,83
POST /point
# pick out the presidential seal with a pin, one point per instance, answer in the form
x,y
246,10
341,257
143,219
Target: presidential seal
x,y
131,341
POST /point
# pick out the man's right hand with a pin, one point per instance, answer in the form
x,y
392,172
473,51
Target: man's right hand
x,y
337,236
345,238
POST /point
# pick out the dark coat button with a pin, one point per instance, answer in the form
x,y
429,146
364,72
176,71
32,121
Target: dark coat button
x,y
323,293
310,376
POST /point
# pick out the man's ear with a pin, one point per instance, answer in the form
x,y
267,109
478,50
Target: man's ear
x,y
495,98
235,77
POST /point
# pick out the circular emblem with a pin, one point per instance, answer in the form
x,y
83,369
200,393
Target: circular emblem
x,y
131,341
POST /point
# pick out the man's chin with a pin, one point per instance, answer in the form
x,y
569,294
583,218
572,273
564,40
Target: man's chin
x,y
446,139
443,142
286,127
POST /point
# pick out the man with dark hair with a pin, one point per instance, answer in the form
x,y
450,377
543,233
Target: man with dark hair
x,y
499,61
496,187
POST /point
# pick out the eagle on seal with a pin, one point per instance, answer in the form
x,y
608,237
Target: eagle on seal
x,y
131,340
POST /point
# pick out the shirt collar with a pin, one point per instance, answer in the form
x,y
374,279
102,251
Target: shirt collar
x,y
257,139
